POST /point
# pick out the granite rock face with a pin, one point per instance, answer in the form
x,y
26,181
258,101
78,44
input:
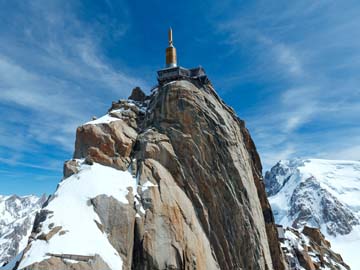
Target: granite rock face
x,y
118,222
213,161
200,201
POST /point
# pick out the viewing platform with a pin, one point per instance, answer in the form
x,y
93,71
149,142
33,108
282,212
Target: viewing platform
x,y
179,73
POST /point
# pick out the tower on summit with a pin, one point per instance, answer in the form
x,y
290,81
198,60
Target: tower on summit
x,y
170,51
173,72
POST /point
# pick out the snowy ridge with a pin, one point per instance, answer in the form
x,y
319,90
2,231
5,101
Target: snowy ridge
x,y
70,209
116,114
16,218
319,193
69,216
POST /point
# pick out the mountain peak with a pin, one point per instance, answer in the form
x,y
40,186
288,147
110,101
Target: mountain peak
x,y
318,193
178,172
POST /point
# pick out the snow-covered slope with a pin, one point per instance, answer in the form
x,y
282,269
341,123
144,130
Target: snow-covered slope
x,y
71,225
319,193
16,219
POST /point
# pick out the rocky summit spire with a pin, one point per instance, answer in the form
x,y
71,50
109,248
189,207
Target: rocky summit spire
x,y
170,51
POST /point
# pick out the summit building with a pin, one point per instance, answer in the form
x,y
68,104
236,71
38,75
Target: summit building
x,y
173,72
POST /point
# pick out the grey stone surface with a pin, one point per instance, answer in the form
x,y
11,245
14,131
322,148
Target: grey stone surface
x,y
70,168
118,221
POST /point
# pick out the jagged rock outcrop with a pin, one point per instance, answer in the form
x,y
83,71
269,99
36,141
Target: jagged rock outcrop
x,y
198,200
108,144
138,95
63,262
310,250
70,168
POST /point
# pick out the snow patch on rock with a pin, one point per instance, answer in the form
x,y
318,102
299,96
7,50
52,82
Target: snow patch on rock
x,y
70,209
105,119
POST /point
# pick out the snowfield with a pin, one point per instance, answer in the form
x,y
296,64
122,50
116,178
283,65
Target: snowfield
x,y
77,218
319,193
348,247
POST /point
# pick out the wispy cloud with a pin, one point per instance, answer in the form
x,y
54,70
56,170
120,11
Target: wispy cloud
x,y
54,76
288,59
307,54
46,167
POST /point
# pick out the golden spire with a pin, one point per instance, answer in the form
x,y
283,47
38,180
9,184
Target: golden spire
x,y
170,51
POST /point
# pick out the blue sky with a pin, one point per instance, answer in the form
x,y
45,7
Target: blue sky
x,y
289,69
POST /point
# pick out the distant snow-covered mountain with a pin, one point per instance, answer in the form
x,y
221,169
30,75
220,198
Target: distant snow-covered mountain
x,y
319,193
16,219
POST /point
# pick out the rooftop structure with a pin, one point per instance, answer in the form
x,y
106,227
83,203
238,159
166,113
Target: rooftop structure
x,y
173,72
